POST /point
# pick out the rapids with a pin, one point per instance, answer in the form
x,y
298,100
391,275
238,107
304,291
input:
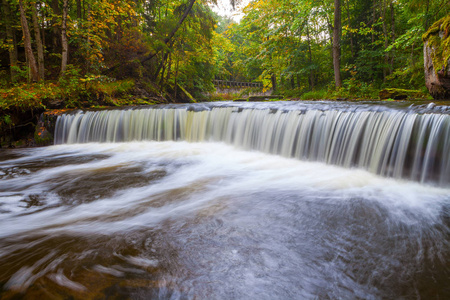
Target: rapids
x,y
212,219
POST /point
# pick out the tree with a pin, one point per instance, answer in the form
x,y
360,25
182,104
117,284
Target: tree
x,y
37,35
34,74
64,40
337,43
11,39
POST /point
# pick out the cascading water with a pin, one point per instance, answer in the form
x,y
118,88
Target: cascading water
x,y
168,203
390,143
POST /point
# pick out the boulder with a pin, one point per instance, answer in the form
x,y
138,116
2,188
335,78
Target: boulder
x,y
46,126
398,94
437,59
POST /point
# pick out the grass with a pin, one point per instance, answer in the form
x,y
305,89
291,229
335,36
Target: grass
x,y
314,95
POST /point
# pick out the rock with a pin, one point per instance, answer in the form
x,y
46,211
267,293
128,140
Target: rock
x,y
431,105
54,103
397,94
265,98
437,59
45,126
42,137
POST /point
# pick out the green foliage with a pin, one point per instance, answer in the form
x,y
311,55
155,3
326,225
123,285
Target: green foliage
x,y
410,76
290,41
354,88
22,97
71,83
315,95
111,90
21,72
3,78
7,119
72,91
286,43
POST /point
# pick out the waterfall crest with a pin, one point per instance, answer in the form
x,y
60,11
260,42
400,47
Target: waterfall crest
x,y
389,143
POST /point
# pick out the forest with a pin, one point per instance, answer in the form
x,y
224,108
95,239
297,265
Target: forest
x,y
93,53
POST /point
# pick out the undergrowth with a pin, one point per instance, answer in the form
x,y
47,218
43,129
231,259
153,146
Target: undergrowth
x,y
69,92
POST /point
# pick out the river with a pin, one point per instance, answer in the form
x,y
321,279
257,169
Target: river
x,y
198,217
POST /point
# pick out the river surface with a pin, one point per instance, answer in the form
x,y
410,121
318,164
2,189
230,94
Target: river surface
x,y
179,220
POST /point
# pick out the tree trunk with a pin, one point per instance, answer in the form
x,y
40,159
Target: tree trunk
x,y
176,77
11,39
350,33
386,39
79,9
34,74
391,69
162,69
44,24
160,66
336,44
374,18
274,83
311,72
39,45
64,41
88,36
169,68
56,33
427,16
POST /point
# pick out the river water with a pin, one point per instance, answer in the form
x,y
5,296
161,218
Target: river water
x,y
209,220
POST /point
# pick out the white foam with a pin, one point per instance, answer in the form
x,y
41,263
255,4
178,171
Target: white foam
x,y
205,172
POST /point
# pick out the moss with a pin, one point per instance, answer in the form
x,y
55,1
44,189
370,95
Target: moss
x,y
398,94
440,25
440,44
187,94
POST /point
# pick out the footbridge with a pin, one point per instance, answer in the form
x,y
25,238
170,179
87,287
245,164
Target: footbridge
x,y
223,84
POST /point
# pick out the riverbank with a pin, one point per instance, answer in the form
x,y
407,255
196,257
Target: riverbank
x,y
22,105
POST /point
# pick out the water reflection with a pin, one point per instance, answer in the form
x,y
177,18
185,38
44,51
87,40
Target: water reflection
x,y
178,220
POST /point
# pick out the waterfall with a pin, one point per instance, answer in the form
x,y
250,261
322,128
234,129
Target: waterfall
x,y
390,143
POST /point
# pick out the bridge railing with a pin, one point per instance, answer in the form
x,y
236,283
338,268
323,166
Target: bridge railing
x,y
226,83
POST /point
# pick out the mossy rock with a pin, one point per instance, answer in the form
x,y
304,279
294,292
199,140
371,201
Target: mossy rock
x,y
398,94
46,125
437,59
42,137
438,38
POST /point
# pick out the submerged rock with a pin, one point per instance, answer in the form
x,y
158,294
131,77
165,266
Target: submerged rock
x,y
437,59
